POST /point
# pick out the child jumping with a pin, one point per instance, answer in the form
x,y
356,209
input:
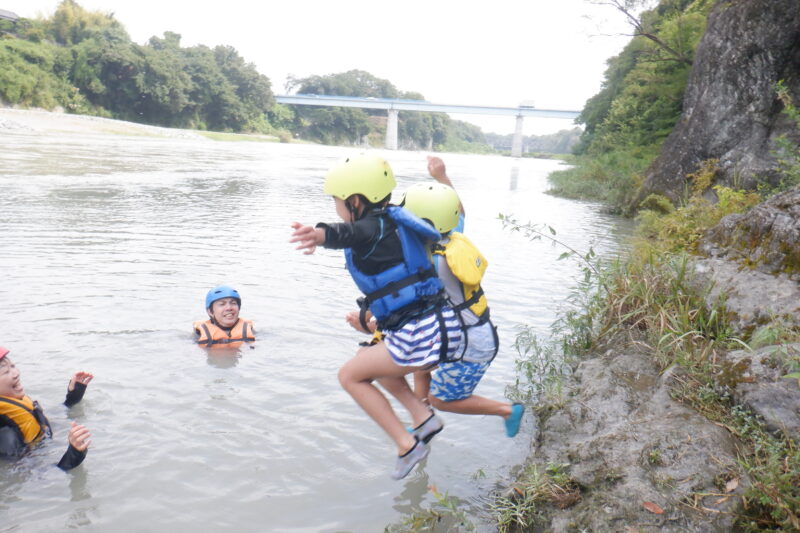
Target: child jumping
x,y
385,252
461,266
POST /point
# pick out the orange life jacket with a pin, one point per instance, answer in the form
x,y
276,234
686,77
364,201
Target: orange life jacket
x,y
211,334
27,416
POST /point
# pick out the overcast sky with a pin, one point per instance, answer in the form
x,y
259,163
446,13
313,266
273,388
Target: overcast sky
x,y
499,52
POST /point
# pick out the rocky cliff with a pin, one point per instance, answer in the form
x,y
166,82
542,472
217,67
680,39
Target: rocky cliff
x,y
730,109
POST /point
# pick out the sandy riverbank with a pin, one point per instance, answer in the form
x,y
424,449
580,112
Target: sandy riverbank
x,y
37,120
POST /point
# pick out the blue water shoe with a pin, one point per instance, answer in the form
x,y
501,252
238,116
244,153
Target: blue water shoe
x,y
514,419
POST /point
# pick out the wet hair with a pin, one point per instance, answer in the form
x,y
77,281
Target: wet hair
x,y
369,206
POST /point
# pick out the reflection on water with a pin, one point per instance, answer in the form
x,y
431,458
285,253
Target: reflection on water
x,y
514,177
109,246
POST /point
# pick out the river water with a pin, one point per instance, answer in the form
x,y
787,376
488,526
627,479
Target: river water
x,y
108,245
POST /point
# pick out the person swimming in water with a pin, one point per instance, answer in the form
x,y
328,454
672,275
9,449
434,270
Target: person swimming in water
x,y
224,327
23,423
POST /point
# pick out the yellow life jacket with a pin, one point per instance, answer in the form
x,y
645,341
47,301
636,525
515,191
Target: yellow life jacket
x,y
468,266
27,416
213,335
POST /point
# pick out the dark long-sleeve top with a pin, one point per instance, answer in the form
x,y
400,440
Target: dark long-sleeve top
x,y
372,238
12,443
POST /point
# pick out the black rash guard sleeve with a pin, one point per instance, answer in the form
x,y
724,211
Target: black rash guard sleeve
x,y
373,240
71,458
356,234
75,395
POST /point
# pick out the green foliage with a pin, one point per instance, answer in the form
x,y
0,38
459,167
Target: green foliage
x,y
611,177
445,515
658,204
28,77
771,502
72,24
639,104
463,137
337,125
788,153
85,62
681,229
542,365
534,491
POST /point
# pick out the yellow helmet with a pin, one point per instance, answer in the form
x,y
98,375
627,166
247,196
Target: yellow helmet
x,y
437,202
368,175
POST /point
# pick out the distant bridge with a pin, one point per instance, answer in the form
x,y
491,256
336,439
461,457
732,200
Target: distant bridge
x,y
394,105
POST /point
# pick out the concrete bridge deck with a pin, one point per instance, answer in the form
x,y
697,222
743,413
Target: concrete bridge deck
x,y
395,105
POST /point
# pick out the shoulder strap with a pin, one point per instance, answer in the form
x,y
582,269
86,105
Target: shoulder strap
x,y
209,339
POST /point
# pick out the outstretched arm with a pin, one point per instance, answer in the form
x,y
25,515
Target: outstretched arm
x,y
77,387
307,237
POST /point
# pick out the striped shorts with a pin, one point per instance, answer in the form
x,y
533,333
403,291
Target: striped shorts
x,y
419,341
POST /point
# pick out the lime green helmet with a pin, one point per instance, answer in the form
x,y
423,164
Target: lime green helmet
x,y
368,175
436,202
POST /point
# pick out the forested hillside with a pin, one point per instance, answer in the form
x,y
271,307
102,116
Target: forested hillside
x,y
639,103
347,125
85,62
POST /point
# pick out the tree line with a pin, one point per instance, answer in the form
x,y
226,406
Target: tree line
x,y
85,62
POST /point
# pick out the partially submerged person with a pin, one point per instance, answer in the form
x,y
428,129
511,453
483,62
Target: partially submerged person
x,y
23,423
224,327
385,252
460,266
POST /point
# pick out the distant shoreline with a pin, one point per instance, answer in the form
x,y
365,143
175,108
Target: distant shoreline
x,y
41,121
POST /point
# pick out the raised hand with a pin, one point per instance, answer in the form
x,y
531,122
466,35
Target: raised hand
x,y
79,377
79,437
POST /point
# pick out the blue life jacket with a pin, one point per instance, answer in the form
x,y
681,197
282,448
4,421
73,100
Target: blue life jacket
x,y
408,286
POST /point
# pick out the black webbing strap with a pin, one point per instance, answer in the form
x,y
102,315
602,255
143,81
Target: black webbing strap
x,y
209,340
476,296
443,333
395,286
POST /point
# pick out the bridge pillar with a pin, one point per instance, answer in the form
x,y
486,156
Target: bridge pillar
x,y
391,130
516,143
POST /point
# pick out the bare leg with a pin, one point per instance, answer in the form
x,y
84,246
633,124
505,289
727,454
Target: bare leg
x,y
474,405
422,384
356,376
400,390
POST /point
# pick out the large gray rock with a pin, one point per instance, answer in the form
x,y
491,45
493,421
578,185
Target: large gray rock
x,y
730,108
766,238
752,298
756,380
628,443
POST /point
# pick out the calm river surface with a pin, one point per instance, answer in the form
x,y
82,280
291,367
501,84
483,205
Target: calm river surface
x,y
108,245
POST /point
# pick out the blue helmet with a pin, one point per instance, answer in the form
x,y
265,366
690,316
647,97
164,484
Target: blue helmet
x,y
223,291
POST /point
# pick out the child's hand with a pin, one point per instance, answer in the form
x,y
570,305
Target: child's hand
x,y
352,318
79,437
437,169
307,236
79,377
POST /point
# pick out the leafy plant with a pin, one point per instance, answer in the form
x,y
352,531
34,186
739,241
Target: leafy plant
x,y
533,491
444,515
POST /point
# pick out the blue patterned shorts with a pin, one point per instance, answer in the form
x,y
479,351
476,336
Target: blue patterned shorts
x,y
456,381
